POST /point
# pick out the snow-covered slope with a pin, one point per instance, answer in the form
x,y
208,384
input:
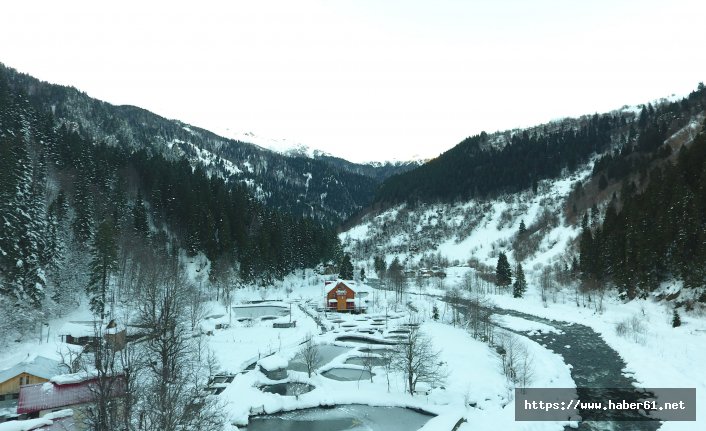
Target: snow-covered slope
x,y
472,230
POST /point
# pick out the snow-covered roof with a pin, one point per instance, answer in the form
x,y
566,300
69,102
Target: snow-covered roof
x,y
38,366
273,362
355,286
67,379
78,329
61,420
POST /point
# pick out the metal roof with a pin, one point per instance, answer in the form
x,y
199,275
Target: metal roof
x,y
45,396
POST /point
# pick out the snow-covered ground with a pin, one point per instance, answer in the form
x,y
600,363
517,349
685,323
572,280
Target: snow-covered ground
x,y
474,370
472,229
474,389
656,354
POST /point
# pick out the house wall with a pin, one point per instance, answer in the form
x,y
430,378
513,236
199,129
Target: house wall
x,y
12,386
332,294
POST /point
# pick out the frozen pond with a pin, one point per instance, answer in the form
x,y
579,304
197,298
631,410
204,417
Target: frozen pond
x,y
358,360
346,374
288,389
255,311
349,417
363,340
327,352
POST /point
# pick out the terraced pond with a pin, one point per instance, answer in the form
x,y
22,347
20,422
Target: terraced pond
x,y
339,418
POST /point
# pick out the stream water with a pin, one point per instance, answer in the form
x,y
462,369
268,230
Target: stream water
x,y
594,365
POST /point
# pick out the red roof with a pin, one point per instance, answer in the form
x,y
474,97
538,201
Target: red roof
x,y
45,396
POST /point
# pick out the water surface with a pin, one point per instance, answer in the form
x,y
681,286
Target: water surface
x,y
349,417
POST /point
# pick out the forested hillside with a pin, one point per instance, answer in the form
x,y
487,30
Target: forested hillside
x,y
80,215
486,166
612,201
654,229
323,188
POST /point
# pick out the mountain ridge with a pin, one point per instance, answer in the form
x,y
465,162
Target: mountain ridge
x,y
322,188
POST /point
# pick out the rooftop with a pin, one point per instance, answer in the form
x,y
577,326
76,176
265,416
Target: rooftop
x,y
35,365
50,395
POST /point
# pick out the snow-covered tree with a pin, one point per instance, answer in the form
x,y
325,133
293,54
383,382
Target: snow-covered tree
x,y
418,361
103,263
346,269
503,273
520,286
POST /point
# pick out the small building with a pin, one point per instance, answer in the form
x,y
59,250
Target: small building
x,y
90,334
425,272
346,296
34,369
74,391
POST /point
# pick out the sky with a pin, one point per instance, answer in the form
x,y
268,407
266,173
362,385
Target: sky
x,y
362,79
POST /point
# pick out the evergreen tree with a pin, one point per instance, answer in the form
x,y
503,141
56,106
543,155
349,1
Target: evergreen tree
x,y
23,231
503,272
139,216
523,228
520,286
379,265
435,312
676,320
84,200
103,264
362,274
602,182
346,268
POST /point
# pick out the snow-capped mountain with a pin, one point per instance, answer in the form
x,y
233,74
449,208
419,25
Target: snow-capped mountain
x,y
302,182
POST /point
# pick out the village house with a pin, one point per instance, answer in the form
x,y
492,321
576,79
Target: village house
x,y
69,391
346,296
34,369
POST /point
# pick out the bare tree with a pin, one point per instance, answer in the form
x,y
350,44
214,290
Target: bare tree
x,y
517,362
309,355
131,365
479,316
107,383
368,363
453,298
195,306
417,360
388,355
177,402
70,359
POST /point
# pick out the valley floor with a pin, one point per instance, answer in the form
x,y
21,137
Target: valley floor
x,y
655,354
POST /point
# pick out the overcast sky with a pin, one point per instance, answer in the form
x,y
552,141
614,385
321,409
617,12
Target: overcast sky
x,y
363,79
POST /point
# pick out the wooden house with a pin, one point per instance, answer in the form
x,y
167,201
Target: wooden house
x,y
34,369
346,296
